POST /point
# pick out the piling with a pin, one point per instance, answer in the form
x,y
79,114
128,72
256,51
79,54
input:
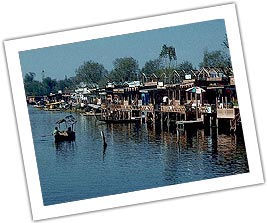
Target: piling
x,y
104,139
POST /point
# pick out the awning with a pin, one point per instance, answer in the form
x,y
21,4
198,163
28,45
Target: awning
x,y
197,90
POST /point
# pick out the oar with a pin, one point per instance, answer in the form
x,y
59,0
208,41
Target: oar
x,y
46,135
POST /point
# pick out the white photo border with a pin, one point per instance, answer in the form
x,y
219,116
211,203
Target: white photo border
x,y
226,12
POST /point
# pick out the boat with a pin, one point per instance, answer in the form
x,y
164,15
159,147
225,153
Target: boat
x,y
65,136
69,134
95,110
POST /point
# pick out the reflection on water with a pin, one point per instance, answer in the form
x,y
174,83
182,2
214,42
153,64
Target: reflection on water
x,y
136,157
65,148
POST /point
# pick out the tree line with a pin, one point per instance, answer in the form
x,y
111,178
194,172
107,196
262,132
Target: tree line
x,y
93,74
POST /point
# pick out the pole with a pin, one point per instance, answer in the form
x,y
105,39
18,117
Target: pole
x,y
196,106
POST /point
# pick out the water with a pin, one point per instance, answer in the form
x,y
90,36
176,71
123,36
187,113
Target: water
x,y
137,157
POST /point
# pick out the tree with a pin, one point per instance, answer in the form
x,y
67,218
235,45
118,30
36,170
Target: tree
x,y
215,59
90,73
168,53
29,77
31,86
225,42
125,69
185,65
152,66
49,85
66,84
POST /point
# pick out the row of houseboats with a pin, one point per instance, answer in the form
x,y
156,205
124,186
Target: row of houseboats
x,y
206,98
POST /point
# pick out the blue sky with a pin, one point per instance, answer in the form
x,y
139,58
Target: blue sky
x,y
190,42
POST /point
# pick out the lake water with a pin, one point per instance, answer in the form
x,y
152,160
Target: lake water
x,y
137,157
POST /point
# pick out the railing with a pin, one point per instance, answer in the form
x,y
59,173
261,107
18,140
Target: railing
x,y
173,108
214,79
205,109
149,108
225,113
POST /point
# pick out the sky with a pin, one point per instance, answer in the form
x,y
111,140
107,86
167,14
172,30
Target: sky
x,y
190,42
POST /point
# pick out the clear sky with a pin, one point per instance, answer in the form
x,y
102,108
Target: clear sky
x,y
190,42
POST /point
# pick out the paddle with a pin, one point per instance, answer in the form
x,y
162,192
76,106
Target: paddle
x,y
47,135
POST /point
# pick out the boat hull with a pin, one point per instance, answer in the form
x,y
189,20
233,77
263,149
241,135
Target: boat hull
x,y
65,137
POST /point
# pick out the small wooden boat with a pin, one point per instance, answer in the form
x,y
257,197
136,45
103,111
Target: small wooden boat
x,y
95,110
65,136
69,134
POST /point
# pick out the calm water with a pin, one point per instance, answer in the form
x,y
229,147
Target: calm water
x,y
137,157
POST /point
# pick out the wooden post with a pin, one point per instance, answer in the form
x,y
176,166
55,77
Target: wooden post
x,y
104,139
168,121
210,120
177,134
161,120
196,106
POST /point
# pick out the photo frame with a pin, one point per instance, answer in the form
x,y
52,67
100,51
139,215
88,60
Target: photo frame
x,y
225,12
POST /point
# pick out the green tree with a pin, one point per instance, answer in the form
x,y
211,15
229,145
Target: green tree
x,y
215,58
29,77
185,65
168,54
90,73
225,42
152,66
124,69
31,86
66,84
49,85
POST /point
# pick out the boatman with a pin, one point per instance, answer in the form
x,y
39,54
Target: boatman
x,y
56,131
69,131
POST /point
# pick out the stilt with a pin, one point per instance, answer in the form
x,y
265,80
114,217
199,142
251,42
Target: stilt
x,y
104,139
168,121
161,120
177,134
154,117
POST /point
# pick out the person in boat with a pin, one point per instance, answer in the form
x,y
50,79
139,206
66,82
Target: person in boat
x,y
69,131
56,131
